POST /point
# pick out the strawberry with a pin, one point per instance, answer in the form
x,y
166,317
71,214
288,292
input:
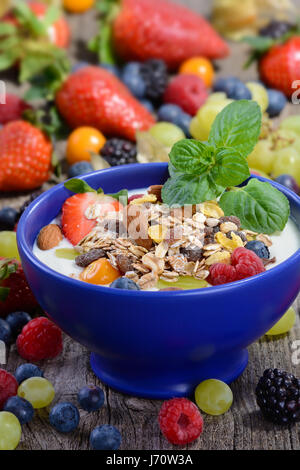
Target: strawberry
x,y
15,293
12,109
58,32
75,224
94,97
25,157
280,66
34,37
147,29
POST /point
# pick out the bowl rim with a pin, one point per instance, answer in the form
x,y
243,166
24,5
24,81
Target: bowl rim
x,y
211,290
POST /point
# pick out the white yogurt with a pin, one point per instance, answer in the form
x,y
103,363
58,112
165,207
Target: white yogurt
x,y
285,244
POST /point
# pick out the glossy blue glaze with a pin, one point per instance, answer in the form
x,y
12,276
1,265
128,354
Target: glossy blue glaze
x,y
157,344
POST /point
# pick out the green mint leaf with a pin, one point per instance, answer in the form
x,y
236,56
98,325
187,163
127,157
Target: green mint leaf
x,y
78,186
173,171
121,196
191,156
259,206
231,168
237,126
4,291
190,189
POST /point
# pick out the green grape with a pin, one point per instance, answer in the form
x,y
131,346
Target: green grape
x,y
283,138
202,122
291,123
10,431
38,391
66,253
262,158
8,245
287,161
285,323
259,94
184,282
214,397
166,133
216,97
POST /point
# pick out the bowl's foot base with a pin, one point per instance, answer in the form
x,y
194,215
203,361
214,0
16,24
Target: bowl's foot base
x,y
173,383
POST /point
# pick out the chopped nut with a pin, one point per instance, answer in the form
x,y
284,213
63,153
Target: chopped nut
x,y
220,257
156,190
156,265
265,239
231,218
49,237
211,222
228,227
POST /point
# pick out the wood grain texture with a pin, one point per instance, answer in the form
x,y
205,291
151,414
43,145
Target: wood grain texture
x,y
241,428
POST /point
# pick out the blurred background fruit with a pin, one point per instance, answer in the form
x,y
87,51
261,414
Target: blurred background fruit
x,y
77,6
81,142
200,66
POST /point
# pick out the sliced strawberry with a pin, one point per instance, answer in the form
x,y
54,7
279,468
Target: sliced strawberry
x,y
75,224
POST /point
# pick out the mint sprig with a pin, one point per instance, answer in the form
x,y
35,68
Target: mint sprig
x,y
202,171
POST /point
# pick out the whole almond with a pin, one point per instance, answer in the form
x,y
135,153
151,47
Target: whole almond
x,y
156,190
49,237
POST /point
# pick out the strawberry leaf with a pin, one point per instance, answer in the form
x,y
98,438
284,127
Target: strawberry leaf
x,y
78,186
28,19
52,15
121,196
7,29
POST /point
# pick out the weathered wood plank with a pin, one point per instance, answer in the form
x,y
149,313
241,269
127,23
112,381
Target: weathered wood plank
x,y
241,428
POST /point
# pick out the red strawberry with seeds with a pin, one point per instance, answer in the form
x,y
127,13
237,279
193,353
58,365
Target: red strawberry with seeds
x,y
147,29
280,66
94,97
25,157
75,224
12,109
15,293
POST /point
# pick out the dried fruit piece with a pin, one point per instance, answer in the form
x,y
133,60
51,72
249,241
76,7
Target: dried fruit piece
x,y
229,244
157,233
219,257
49,237
87,258
146,198
211,209
124,263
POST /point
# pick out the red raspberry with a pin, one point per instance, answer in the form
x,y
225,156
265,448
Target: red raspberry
x,y
221,273
40,339
187,91
8,387
180,421
13,109
246,263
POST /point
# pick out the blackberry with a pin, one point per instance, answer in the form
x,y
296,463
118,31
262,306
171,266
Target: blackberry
x,y
276,29
32,197
155,75
119,152
278,396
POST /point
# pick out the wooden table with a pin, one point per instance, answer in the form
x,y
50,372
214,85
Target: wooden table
x,y
241,428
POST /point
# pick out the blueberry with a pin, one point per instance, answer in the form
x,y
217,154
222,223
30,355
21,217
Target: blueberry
x,y
233,87
289,182
8,218
111,68
17,321
21,408
259,248
277,101
148,105
132,78
169,113
184,122
90,398
80,168
25,371
5,332
105,438
79,66
124,283
64,417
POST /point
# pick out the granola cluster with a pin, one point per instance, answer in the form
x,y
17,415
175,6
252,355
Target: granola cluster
x,y
150,241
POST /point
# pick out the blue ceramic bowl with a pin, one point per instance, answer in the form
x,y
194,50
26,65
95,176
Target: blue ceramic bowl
x,y
157,344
